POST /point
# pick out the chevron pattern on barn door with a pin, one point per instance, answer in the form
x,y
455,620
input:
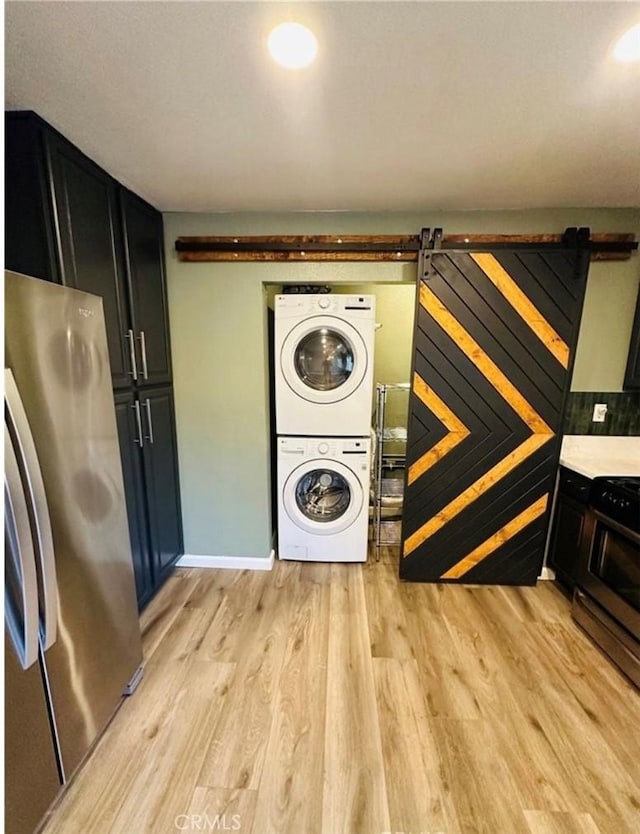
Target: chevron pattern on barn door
x,y
494,336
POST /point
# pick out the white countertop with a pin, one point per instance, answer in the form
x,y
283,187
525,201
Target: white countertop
x,y
593,456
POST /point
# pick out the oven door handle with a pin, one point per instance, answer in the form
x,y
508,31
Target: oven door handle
x,y
627,532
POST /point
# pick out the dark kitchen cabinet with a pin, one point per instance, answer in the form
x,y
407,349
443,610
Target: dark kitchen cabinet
x,y
568,525
90,255
632,372
134,489
161,478
146,429
142,226
62,223
68,221
29,239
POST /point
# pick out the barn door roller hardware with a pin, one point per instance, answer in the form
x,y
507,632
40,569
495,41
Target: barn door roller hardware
x,y
577,239
400,248
429,243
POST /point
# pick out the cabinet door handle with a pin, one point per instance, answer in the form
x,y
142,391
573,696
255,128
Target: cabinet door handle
x,y
139,439
143,350
132,354
147,404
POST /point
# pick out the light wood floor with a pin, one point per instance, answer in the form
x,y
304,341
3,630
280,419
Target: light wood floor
x,y
333,699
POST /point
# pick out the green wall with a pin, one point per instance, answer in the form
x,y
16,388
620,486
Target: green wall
x,y
218,333
605,329
395,308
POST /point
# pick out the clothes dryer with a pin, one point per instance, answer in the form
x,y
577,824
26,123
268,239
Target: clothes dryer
x,y
323,498
324,364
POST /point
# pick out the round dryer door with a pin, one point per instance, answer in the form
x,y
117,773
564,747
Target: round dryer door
x,y
324,359
323,497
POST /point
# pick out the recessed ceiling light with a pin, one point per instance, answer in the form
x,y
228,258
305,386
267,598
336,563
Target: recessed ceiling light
x,y
292,45
628,47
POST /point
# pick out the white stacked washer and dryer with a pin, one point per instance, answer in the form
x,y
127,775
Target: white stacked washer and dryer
x,y
323,346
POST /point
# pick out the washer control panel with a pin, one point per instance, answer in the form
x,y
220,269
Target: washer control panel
x,y
358,306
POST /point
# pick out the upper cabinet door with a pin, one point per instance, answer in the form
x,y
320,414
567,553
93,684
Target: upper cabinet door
x,y
85,204
143,238
29,242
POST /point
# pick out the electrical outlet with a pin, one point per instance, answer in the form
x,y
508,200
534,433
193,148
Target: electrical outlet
x,y
599,412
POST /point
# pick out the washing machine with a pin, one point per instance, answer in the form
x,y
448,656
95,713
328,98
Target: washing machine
x,y
323,347
323,498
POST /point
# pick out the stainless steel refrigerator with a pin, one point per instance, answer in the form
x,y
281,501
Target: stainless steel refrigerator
x,y
72,636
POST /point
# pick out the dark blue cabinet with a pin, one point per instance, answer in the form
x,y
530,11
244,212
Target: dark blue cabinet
x,y
567,525
89,241
161,478
134,489
62,223
143,238
146,428
68,221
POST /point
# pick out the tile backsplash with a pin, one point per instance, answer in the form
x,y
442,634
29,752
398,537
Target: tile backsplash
x,y
623,413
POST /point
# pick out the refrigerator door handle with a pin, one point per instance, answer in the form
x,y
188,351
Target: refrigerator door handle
x,y
139,439
34,492
20,543
147,405
143,350
132,355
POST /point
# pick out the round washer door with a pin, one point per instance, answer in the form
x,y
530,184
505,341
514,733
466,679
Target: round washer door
x,y
323,497
324,359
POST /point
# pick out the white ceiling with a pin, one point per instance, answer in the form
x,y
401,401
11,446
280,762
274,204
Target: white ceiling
x,y
410,105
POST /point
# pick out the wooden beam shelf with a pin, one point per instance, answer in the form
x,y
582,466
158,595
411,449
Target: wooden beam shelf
x,y
400,248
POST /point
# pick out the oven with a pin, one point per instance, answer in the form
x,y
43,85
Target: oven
x,y
607,597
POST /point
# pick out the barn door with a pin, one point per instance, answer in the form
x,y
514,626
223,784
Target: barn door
x,y
493,344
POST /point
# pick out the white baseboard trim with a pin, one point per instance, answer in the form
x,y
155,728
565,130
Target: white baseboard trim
x,y
228,562
547,573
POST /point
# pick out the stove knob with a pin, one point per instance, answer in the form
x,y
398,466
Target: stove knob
x,y
323,448
324,303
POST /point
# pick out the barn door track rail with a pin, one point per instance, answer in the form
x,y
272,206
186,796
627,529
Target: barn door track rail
x,y
402,248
